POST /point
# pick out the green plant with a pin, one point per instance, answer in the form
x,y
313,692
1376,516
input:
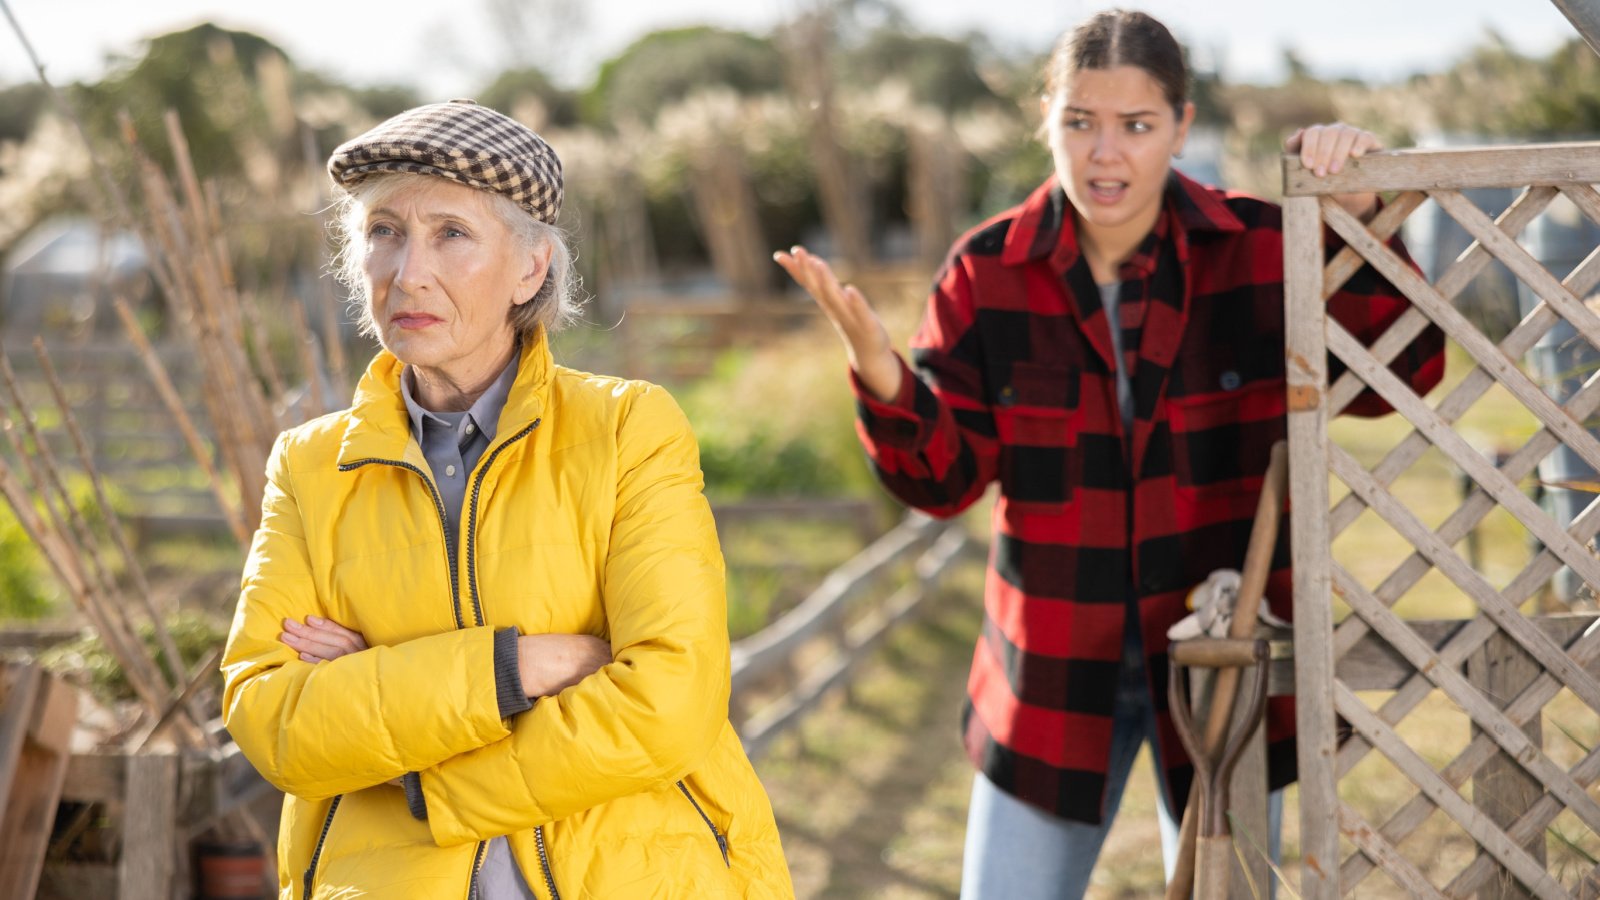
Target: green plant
x,y
195,634
27,589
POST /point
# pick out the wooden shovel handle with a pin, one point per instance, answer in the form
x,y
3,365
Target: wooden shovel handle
x,y
1252,584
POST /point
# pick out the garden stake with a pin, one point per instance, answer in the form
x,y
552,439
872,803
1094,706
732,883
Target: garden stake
x,y
191,436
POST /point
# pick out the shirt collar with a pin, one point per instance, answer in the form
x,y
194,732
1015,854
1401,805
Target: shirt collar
x,y
1043,229
484,414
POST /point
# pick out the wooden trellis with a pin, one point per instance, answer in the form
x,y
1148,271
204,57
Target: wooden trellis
x,y
1511,841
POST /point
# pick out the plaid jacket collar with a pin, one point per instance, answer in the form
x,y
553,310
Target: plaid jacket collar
x,y
1044,232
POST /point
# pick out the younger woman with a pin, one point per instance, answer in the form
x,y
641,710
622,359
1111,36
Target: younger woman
x,y
1111,352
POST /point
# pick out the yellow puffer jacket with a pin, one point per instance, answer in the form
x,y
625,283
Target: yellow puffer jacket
x,y
585,516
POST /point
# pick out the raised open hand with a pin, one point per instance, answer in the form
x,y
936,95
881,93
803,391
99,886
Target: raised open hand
x,y
866,341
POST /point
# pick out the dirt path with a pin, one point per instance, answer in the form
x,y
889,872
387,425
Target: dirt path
x,y
871,793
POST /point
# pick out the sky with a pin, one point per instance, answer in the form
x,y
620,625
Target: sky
x,y
446,54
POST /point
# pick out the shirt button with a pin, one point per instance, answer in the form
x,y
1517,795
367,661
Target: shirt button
x,y
450,470
470,429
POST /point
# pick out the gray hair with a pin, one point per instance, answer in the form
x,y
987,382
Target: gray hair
x,y
556,304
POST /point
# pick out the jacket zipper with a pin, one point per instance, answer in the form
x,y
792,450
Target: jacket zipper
x,y
455,603
311,870
722,842
472,519
544,863
477,865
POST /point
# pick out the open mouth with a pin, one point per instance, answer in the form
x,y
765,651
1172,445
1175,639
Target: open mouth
x,y
1106,190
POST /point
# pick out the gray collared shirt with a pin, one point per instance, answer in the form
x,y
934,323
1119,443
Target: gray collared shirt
x,y
452,443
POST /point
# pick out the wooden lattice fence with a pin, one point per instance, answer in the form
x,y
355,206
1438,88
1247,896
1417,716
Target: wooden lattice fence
x,y
1506,816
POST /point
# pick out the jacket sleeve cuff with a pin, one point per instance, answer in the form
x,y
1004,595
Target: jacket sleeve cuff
x,y
901,422
507,676
412,782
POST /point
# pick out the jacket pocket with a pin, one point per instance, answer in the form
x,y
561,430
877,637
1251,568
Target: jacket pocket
x,y
1223,436
718,836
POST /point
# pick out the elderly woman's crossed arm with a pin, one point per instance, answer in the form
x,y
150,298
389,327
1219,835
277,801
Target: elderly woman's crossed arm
x,y
643,711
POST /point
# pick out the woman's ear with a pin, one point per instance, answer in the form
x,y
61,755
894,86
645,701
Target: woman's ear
x,y
533,277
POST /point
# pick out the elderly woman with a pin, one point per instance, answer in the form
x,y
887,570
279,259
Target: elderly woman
x,y
481,642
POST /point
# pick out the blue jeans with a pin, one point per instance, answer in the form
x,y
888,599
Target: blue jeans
x,y
1019,852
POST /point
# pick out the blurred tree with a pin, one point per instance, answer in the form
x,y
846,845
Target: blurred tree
x,y
940,72
208,75
1513,94
19,109
516,90
667,66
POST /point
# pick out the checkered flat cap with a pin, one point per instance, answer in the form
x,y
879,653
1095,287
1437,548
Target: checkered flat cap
x,y
461,141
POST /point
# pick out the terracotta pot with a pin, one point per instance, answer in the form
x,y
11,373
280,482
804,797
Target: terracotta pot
x,y
231,871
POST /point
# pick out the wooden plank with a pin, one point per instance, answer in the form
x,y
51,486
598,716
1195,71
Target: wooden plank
x,y
1445,797
862,637
1347,262
1374,664
766,650
1247,808
146,870
36,779
1533,577
1528,270
77,881
1484,714
1489,601
1454,169
1585,198
1306,368
1378,849
20,686
1501,670
1531,824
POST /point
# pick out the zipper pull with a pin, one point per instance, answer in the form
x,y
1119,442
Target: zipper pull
x,y
722,844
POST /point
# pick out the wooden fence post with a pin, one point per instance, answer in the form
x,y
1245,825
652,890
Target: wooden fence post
x,y
1307,371
1502,788
149,834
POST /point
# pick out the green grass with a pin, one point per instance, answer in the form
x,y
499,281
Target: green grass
x,y
774,563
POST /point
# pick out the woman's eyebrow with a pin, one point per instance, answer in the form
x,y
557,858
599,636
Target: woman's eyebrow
x,y
1127,115
427,217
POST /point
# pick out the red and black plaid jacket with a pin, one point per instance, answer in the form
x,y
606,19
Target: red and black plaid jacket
x,y
1016,384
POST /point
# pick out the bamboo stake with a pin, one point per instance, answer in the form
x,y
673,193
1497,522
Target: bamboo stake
x,y
309,359
169,396
158,194
49,487
251,307
109,515
63,562
193,681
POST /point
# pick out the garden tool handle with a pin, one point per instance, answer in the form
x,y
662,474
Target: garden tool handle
x,y
1252,584
1212,857
1213,653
